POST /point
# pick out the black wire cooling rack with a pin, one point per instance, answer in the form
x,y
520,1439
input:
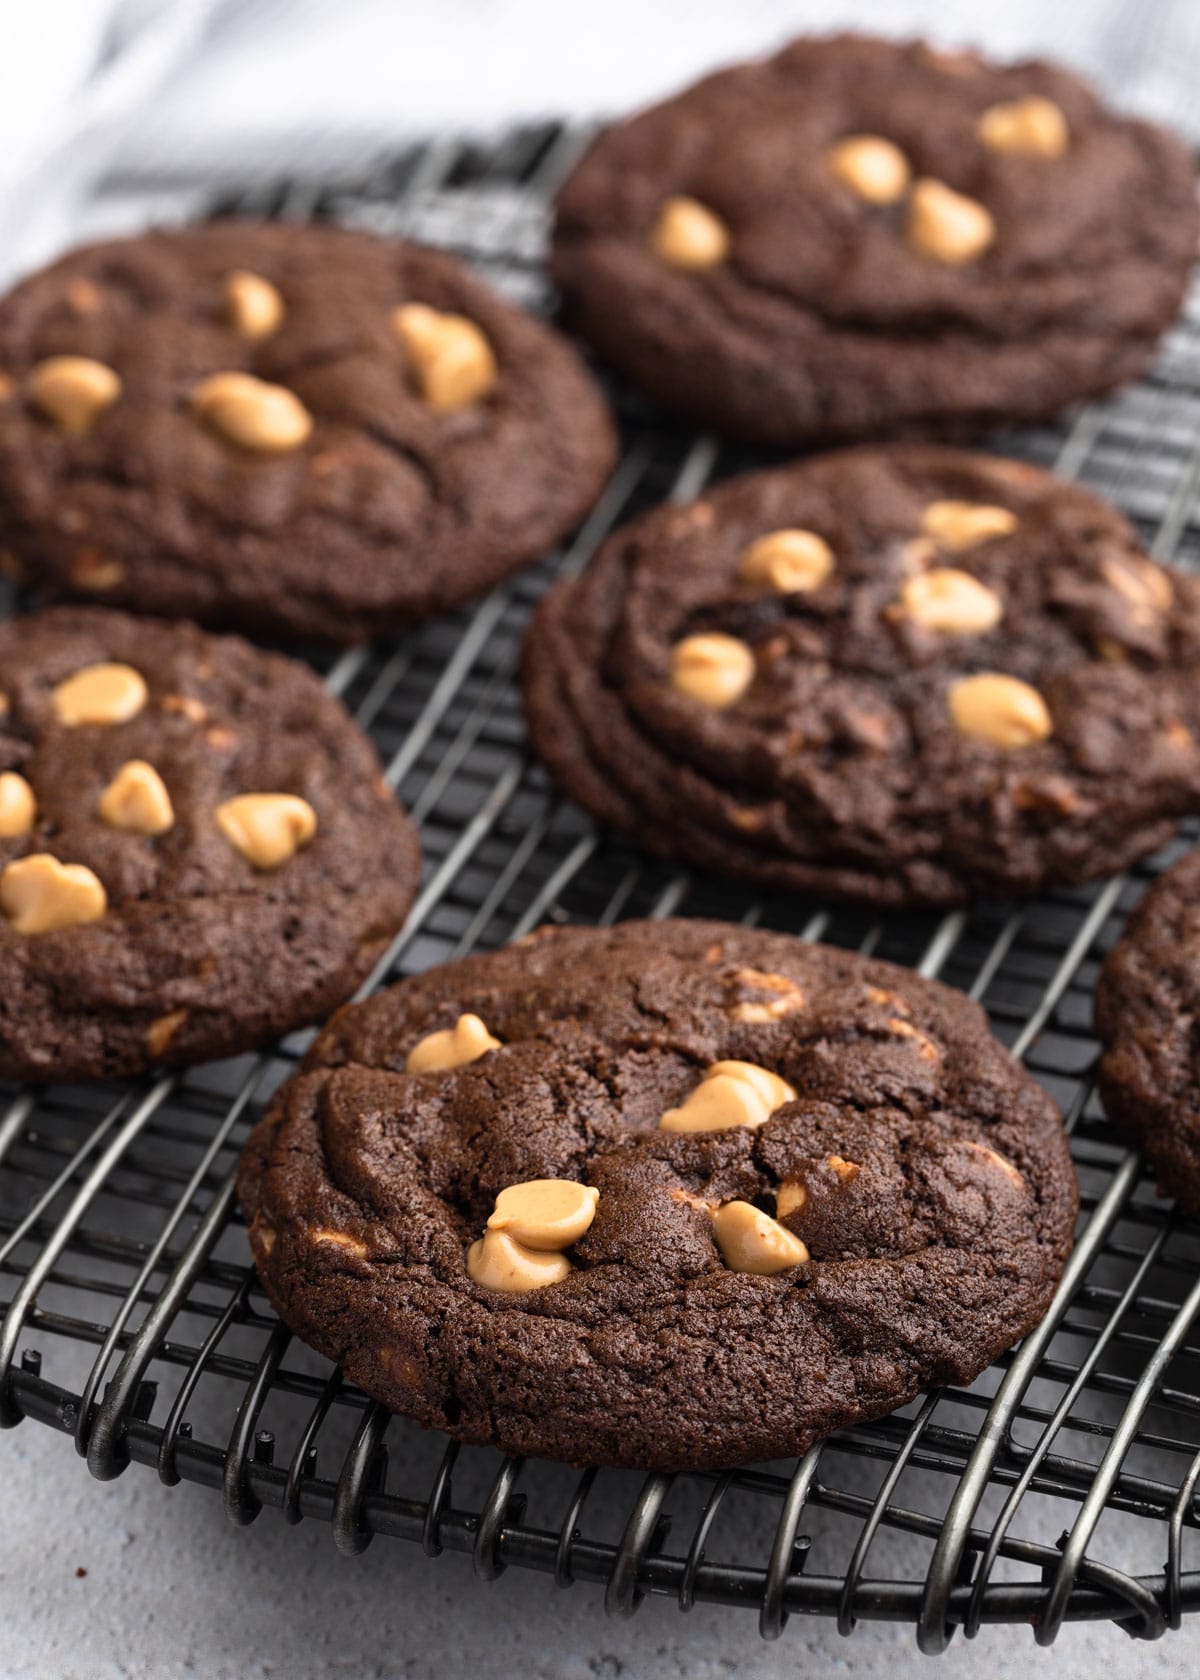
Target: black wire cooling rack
x,y
1060,1486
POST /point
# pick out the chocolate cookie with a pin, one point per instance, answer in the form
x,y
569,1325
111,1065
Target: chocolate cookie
x,y
197,852
858,237
673,1195
900,674
288,429
1147,1003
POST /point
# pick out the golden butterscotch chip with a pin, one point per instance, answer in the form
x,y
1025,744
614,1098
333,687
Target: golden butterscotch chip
x,y
499,1261
18,807
847,1171
38,894
947,226
951,601
267,828
729,1094
260,417
339,1239
253,305
961,525
790,1197
688,235
73,391
751,1241
161,1031
1032,127
453,361
714,669
999,709
137,799
545,1213
464,1042
100,694
784,996
870,166
789,561
94,570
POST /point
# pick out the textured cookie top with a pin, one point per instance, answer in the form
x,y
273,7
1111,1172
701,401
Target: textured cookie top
x,y
304,429
1147,1005
197,850
821,1184
858,235
902,673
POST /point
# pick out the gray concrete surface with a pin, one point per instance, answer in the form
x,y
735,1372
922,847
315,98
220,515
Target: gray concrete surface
x,y
174,1592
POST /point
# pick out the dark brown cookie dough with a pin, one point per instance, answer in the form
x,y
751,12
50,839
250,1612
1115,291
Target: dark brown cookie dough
x,y
364,508
922,1178
810,311
136,927
1147,1004
852,764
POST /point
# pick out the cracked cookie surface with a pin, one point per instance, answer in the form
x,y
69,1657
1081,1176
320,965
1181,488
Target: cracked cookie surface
x,y
860,237
1147,1004
903,674
884,1200
197,850
405,440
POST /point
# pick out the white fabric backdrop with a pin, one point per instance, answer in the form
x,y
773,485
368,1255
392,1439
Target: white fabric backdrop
x,y
147,93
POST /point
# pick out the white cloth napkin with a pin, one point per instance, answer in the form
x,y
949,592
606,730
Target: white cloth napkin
x,y
108,106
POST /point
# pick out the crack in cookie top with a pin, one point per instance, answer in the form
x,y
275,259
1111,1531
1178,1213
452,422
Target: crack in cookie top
x,y
857,236
197,849
903,674
1147,1003
701,1196
306,429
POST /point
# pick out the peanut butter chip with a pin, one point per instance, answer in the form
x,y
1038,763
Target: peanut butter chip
x,y
265,419
73,391
1000,709
452,360
18,807
160,1032
847,1171
137,799
730,1094
870,166
688,235
784,996
950,600
267,828
790,1197
545,1213
498,1261
947,226
751,1241
92,569
339,1239
961,525
1032,127
1144,585
252,304
39,894
714,669
465,1041
993,1158
789,561
100,694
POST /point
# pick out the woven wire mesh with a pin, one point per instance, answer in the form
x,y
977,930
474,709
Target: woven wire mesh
x,y
1062,1484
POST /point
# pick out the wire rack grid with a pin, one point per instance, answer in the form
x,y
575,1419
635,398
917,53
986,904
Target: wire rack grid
x,y
1061,1485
